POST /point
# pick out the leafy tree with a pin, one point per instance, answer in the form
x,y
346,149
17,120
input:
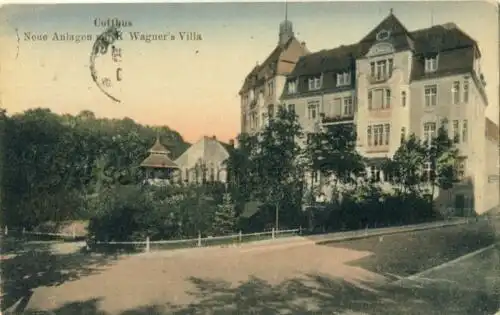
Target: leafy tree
x,y
54,161
332,152
405,167
418,165
274,160
241,169
443,157
225,217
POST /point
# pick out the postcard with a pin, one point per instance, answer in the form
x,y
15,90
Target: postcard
x,y
250,158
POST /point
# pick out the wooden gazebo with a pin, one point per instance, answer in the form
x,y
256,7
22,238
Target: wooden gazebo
x,y
158,165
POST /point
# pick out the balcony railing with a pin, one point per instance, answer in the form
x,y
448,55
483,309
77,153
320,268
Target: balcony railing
x,y
336,118
374,79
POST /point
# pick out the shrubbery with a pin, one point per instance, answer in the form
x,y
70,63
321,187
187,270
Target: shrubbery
x,y
128,213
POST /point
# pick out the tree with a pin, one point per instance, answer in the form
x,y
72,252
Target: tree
x,y
332,152
274,160
240,168
404,170
225,217
417,166
55,161
442,157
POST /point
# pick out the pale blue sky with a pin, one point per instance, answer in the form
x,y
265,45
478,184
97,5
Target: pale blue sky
x,y
192,86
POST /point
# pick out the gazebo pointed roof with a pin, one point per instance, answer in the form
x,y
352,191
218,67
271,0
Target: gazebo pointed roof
x,y
158,157
158,147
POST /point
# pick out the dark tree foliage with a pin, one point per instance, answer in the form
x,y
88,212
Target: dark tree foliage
x,y
52,163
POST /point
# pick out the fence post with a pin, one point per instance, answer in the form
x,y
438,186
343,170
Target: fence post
x,y
272,233
366,230
73,232
147,244
6,230
199,239
24,230
300,230
240,236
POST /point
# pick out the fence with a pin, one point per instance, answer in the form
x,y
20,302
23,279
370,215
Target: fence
x,y
6,231
239,238
227,240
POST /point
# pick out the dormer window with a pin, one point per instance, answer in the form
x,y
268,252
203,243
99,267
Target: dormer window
x,y
343,79
431,64
292,87
314,83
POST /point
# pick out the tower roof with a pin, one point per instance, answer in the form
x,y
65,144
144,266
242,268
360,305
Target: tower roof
x,y
158,157
158,147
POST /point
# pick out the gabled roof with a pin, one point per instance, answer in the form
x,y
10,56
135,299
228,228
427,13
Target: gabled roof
x,y
207,149
400,36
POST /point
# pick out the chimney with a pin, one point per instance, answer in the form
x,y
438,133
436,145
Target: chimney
x,y
231,142
214,137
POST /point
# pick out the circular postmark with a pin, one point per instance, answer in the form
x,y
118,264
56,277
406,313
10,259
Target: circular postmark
x,y
104,47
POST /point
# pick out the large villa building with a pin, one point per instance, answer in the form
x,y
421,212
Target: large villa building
x,y
390,84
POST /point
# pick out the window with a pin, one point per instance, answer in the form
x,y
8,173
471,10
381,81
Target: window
x,y
444,124
270,111
429,132
430,95
378,134
464,131
455,92
461,167
387,100
312,110
387,129
431,64
343,78
270,88
381,70
291,108
403,134
379,99
348,106
314,83
466,91
456,132
292,87
369,136
370,100
403,98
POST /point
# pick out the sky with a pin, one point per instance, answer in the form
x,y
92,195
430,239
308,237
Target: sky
x,y
192,86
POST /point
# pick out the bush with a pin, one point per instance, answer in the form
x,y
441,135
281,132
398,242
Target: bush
x,y
128,213
369,206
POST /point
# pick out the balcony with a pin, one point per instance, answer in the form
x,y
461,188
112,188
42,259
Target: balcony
x,y
337,119
379,79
